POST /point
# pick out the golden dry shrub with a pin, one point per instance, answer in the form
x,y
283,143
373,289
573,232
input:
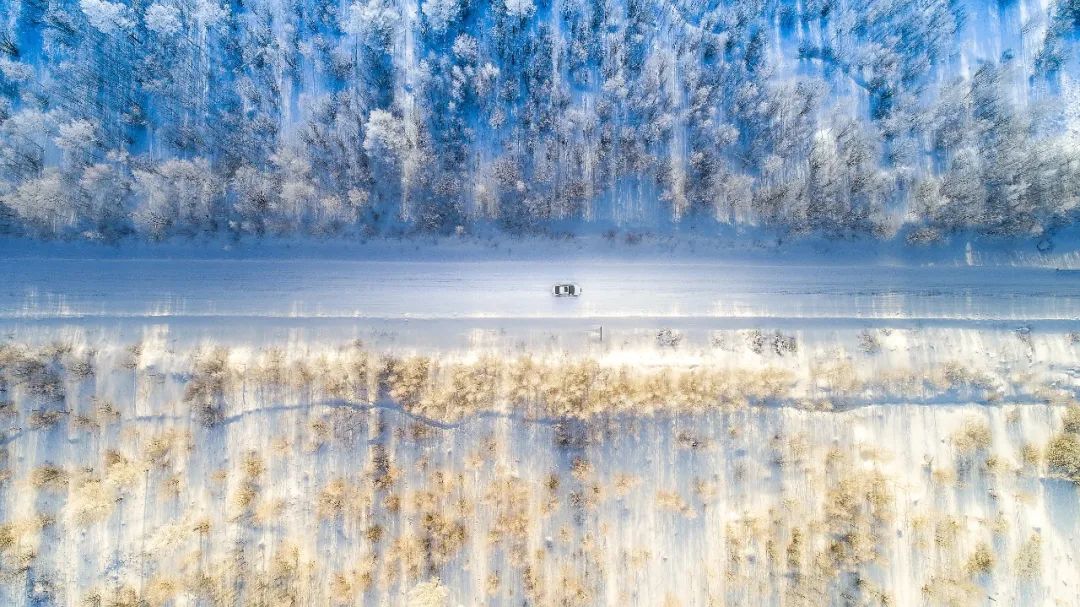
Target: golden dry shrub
x,y
428,594
37,373
949,591
981,561
269,370
205,390
1030,455
347,586
1028,562
972,437
45,419
526,380
362,369
407,380
857,508
405,558
161,591
1063,456
335,498
566,388
161,448
671,501
444,536
90,502
247,492
462,389
49,477
1071,419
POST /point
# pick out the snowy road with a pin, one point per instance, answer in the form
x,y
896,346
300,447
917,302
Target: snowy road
x,y
387,290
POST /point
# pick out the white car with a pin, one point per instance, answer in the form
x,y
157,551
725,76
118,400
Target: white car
x,y
566,289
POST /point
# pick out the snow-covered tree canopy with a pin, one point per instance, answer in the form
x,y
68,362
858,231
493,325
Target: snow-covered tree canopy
x,y
169,117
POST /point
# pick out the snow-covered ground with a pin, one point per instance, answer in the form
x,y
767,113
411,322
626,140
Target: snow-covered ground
x,y
316,431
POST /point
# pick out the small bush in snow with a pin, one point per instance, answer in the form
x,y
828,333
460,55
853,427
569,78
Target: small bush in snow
x,y
49,476
1028,562
981,561
973,436
1072,419
1063,456
868,343
668,338
755,340
784,344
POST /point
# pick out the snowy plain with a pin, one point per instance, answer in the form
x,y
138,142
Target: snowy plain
x,y
904,441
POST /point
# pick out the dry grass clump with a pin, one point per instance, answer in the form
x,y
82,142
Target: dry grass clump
x,y
381,468
91,501
972,437
837,375
673,502
19,540
39,374
161,591
82,368
954,376
1063,456
1028,563
50,477
755,340
857,509
404,559
443,537
331,501
1030,455
283,581
472,387
134,357
341,497
347,586
428,594
270,370
247,493
104,410
45,419
507,500
1071,419
162,448
206,387
949,591
869,343
407,380
668,338
981,562
784,344
121,471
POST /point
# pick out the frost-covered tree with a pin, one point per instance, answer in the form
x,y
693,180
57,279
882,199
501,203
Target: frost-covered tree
x,y
108,17
178,197
44,204
173,118
104,201
441,14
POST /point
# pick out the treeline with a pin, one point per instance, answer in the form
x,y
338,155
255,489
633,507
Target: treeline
x,y
316,117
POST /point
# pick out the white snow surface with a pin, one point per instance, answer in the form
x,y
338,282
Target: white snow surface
x,y
707,490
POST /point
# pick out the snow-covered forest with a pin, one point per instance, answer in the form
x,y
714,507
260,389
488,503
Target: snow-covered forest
x,y
172,118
